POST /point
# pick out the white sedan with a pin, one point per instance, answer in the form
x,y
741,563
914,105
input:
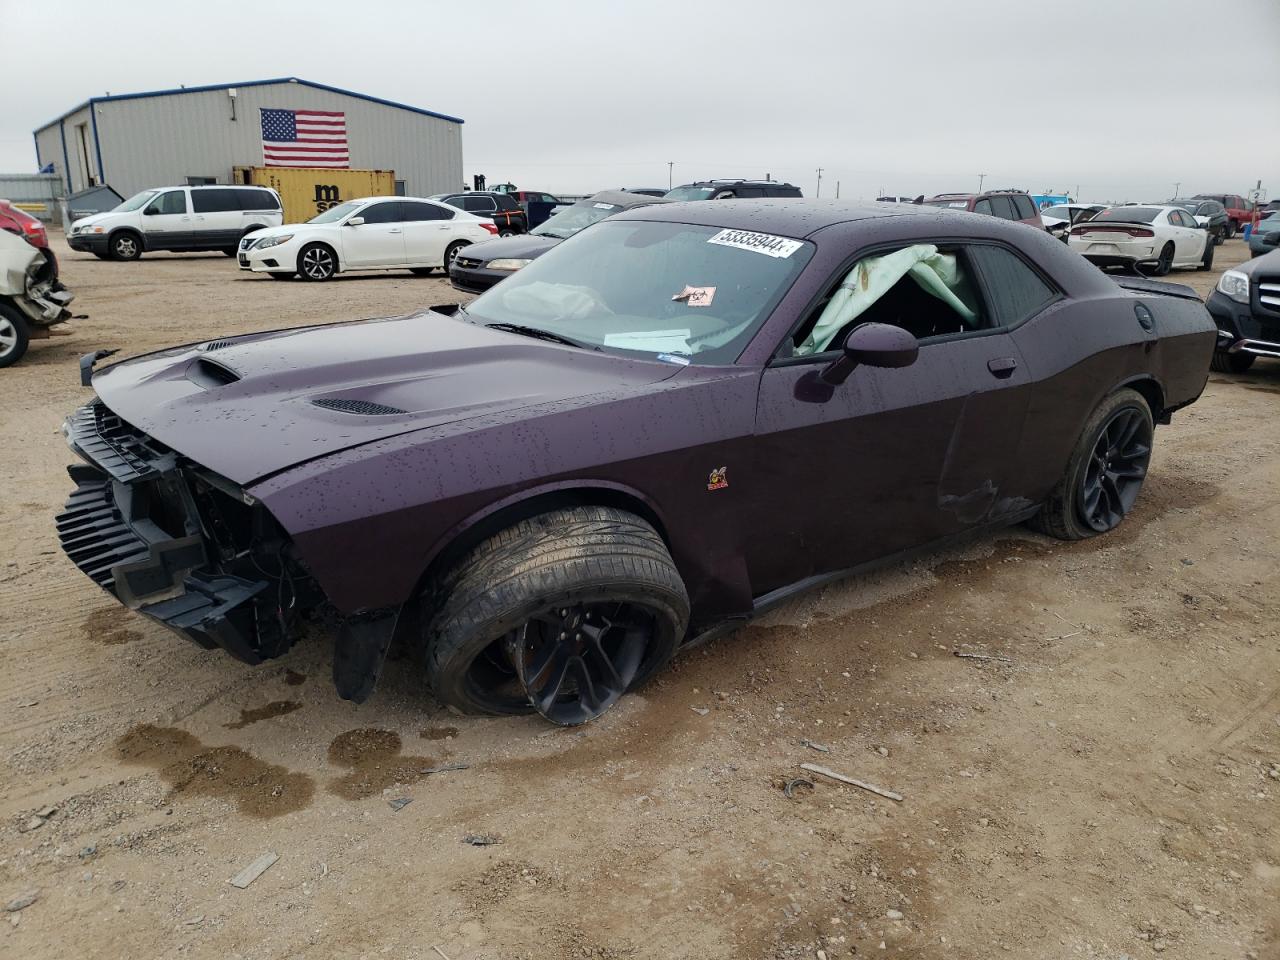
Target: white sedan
x,y
1161,237
373,233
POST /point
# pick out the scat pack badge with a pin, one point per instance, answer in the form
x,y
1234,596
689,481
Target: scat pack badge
x,y
719,478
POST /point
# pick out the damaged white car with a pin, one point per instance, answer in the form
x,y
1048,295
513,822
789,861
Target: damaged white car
x,y
32,300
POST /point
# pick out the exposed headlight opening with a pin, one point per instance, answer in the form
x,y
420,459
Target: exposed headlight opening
x,y
1235,285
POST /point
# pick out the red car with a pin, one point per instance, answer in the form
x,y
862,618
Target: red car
x,y
23,224
29,228
1005,204
1239,210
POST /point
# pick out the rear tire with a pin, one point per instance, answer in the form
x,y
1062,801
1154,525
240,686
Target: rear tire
x,y
15,335
317,262
125,245
1165,263
531,593
229,251
1230,230
1224,362
1105,471
451,253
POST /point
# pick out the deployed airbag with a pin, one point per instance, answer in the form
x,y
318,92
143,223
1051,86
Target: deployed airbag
x,y
936,273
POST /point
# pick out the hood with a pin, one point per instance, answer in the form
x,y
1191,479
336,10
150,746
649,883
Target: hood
x,y
524,246
92,219
252,406
1268,262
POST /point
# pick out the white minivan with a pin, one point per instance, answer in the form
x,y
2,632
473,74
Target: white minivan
x,y
177,218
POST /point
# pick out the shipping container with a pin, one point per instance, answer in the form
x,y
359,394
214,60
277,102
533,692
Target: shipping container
x,y
306,192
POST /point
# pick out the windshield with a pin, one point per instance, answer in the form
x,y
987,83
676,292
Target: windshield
x,y
690,193
334,214
138,200
652,289
568,222
1189,205
1058,212
1128,214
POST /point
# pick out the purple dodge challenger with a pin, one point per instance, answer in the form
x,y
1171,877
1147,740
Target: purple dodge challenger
x,y
673,420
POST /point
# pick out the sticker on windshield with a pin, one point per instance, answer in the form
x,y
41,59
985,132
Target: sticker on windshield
x,y
696,296
604,206
765,243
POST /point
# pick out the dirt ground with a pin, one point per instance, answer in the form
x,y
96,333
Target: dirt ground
x,y
1111,789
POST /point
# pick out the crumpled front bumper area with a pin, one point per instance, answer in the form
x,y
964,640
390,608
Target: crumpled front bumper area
x,y
171,542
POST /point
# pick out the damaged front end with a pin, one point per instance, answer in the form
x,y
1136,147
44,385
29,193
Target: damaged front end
x,y
180,544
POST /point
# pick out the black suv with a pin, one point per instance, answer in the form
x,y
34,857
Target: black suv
x,y
729,189
504,210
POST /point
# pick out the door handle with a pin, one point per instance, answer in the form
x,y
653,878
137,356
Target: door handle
x,y
396,230
1002,367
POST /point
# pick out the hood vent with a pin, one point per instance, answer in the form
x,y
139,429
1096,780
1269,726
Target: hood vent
x,y
215,345
361,408
210,374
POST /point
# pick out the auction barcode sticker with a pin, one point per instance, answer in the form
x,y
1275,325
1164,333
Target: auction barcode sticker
x,y
765,243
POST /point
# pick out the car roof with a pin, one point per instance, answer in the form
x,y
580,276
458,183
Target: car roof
x,y
786,216
620,198
730,183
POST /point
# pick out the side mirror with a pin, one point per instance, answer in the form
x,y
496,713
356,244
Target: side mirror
x,y
150,211
873,345
354,221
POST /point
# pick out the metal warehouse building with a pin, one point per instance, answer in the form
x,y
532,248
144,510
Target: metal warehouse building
x,y
201,134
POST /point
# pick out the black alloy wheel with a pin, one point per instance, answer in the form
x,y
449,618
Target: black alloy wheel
x,y
1112,479
1165,263
575,662
316,263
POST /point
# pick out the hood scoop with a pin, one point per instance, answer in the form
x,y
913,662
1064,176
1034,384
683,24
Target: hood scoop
x,y
210,374
360,408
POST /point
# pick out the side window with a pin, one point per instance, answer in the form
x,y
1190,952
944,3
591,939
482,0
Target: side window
x,y
1177,219
257,200
548,198
386,212
215,201
416,212
750,192
1002,207
925,289
175,201
983,206
479,204
1026,209
1016,291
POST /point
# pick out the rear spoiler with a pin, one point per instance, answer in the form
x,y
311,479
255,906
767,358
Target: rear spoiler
x,y
1143,285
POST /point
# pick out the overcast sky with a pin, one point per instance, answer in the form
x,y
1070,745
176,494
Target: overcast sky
x,y
1118,98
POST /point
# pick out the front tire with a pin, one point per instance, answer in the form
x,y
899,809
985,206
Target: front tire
x,y
125,245
15,335
1223,362
1105,473
422,271
1231,230
561,613
281,274
317,262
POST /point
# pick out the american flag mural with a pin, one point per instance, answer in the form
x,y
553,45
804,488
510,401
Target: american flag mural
x,y
304,138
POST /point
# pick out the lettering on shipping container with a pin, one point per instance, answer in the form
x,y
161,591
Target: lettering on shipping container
x,y
327,195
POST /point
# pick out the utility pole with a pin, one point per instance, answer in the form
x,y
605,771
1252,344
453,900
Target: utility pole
x,y
818,192
981,177
837,189
670,166
1176,185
